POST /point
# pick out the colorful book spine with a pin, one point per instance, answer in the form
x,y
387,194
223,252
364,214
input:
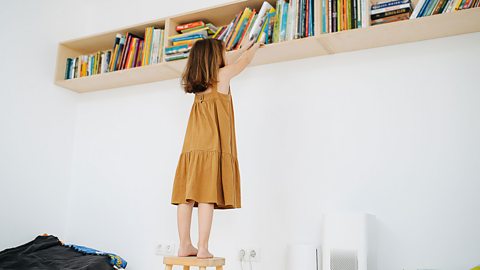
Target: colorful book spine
x,y
179,28
389,13
389,4
283,23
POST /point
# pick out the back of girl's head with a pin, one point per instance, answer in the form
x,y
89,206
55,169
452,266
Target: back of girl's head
x,y
205,59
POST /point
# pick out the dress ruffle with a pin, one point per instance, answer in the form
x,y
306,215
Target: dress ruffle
x,y
207,177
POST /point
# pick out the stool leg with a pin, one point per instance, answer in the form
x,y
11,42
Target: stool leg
x,y
203,268
220,267
168,267
186,267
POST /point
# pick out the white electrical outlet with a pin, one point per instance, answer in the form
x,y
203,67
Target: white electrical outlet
x,y
165,249
254,255
242,254
249,254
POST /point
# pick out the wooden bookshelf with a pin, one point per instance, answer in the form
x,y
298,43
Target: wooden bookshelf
x,y
424,28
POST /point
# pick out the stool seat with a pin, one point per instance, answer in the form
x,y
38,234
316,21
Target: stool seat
x,y
186,262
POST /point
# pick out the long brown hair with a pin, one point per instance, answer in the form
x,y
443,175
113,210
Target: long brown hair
x,y
205,59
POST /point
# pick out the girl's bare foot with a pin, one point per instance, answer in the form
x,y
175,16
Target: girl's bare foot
x,y
185,251
203,253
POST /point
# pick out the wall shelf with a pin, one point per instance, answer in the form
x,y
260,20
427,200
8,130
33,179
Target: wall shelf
x,y
430,27
424,28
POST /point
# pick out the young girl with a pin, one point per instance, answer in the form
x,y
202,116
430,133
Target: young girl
x,y
207,175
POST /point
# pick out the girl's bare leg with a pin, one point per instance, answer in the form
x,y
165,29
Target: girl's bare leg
x,y
205,216
184,219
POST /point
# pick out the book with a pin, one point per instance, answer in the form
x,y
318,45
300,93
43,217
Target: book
x,y
157,48
422,8
257,25
324,16
417,8
178,49
245,29
68,67
449,8
185,26
390,8
276,26
116,44
311,18
231,29
238,28
283,22
187,41
334,16
295,14
439,7
399,17
381,5
129,44
389,13
190,37
211,29
365,13
427,8
192,34
269,27
176,56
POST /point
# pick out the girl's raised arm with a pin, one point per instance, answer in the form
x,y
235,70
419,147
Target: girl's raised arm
x,y
243,60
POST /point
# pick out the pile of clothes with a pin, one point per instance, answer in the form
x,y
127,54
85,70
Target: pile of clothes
x,y
49,253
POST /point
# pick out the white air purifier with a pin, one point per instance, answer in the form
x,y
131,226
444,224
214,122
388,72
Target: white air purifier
x,y
348,241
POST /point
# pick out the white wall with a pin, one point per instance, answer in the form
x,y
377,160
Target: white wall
x,y
36,124
391,131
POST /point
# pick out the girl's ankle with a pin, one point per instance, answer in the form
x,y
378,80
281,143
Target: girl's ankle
x,y
185,245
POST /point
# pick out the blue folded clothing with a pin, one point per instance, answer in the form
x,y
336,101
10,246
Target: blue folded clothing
x,y
115,260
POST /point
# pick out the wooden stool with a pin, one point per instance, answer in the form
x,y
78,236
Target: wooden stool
x,y
186,262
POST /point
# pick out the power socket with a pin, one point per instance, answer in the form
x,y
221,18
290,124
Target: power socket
x,y
249,254
242,254
165,249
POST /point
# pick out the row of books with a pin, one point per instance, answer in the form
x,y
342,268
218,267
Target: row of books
x,y
289,19
188,34
129,50
339,15
431,7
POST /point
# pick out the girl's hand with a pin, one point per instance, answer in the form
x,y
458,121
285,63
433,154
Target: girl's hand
x,y
249,44
262,40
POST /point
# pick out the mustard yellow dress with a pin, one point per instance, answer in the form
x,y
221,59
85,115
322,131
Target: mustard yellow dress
x,y
207,169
